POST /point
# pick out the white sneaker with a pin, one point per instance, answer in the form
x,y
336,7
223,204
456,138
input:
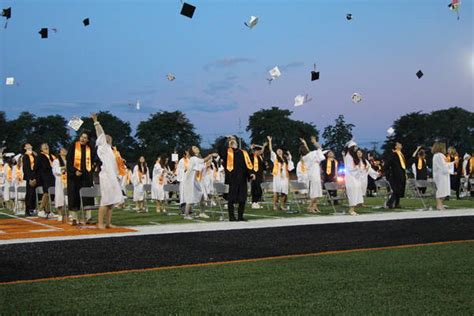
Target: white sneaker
x,y
42,214
188,217
256,206
203,215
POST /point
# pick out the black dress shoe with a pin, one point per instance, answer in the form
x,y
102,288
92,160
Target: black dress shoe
x,y
241,219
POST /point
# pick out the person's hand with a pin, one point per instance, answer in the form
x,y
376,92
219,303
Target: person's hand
x,y
269,138
314,140
94,117
78,173
252,177
32,183
265,144
302,141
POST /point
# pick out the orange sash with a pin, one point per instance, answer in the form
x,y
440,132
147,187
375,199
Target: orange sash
x,y
402,159
420,163
199,175
471,166
78,157
120,164
276,167
9,173
329,165
19,175
49,156
255,162
303,166
32,161
230,160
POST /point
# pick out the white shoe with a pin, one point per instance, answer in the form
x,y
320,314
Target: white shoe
x,y
203,215
60,218
188,217
42,214
256,206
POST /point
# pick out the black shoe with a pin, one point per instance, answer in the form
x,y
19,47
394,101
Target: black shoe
x,y
232,219
241,219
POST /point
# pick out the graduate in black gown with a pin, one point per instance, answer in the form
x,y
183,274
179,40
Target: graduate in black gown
x,y
329,171
45,177
395,171
455,178
258,170
80,159
419,166
238,171
29,175
374,164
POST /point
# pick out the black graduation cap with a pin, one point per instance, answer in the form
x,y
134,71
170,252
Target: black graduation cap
x,y
86,21
188,10
44,33
349,16
7,13
314,75
419,74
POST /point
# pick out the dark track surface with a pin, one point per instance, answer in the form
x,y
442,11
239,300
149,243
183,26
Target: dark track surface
x,y
30,261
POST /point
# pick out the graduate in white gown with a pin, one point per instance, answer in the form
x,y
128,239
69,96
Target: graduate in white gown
x,y
60,176
282,165
193,186
312,159
367,171
441,173
355,174
159,180
181,169
8,178
110,191
140,177
302,174
18,182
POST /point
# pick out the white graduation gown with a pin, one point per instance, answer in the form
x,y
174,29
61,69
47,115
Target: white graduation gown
x,y
157,188
7,183
312,161
138,182
302,175
59,199
193,191
353,181
281,179
110,190
180,173
441,172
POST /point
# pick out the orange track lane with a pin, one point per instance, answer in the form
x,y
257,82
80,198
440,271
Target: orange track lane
x,y
37,227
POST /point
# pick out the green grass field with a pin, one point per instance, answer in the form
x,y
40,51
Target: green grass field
x,y
127,217
435,279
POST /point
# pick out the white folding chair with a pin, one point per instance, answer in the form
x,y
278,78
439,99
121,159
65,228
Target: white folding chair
x,y
147,197
219,190
340,193
93,193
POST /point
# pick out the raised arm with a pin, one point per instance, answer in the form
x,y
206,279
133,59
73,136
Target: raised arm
x,y
98,128
416,151
270,146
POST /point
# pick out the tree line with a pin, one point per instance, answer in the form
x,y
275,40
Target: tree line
x,y
164,132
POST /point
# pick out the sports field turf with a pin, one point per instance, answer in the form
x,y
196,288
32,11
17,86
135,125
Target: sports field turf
x,y
436,279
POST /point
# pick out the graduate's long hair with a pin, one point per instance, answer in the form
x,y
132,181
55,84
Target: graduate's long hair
x,y
353,152
163,161
142,167
364,160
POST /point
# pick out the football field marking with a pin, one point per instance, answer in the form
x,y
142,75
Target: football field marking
x,y
220,263
32,222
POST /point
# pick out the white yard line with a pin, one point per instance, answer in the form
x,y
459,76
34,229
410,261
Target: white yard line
x,y
30,221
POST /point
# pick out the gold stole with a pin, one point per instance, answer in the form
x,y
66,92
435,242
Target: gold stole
x,y
471,166
255,162
19,175
276,166
420,163
230,160
32,161
329,165
49,156
119,160
402,159
303,166
9,173
78,157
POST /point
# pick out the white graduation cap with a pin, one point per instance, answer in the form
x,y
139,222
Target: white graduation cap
x,y
351,143
170,77
10,81
8,155
138,105
390,131
75,123
17,158
356,97
252,22
174,157
275,72
302,99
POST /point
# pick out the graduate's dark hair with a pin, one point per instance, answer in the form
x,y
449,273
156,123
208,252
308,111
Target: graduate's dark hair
x,y
191,152
163,159
22,149
353,152
303,150
84,131
142,168
364,160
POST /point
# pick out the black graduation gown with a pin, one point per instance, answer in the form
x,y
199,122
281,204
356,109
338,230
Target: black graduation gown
x,y
396,175
261,169
421,174
44,172
332,177
236,179
74,182
28,175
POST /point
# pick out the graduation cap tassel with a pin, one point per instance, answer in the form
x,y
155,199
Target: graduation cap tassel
x,y
6,24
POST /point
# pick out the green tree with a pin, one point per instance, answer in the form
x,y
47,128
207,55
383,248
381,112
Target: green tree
x,y
454,126
285,131
119,130
337,135
164,132
19,131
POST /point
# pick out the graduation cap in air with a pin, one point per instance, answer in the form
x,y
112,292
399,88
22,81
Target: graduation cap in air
x,y
10,81
188,10
419,74
314,74
252,22
349,16
86,21
170,77
7,13
43,32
